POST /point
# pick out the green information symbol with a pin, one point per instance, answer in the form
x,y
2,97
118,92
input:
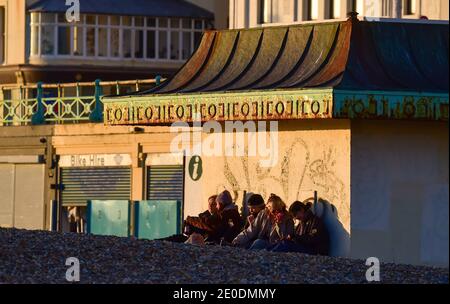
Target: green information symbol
x,y
195,167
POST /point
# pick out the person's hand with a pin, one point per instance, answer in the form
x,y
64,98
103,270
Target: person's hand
x,y
250,219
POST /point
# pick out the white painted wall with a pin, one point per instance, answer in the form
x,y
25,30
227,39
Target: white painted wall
x,y
399,191
312,155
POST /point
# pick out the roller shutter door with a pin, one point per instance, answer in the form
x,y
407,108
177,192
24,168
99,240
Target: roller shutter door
x,y
165,182
95,183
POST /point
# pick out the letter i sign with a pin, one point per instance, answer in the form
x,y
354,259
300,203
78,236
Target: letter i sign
x,y
195,168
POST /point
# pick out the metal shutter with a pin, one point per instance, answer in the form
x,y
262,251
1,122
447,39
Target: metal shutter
x,y
95,183
165,182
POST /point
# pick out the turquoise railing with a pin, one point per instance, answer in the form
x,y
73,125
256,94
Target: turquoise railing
x,y
61,103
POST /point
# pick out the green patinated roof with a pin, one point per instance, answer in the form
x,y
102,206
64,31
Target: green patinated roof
x,y
351,55
343,69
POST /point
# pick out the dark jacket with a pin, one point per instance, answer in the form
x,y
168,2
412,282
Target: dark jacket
x,y
313,234
230,223
205,224
263,227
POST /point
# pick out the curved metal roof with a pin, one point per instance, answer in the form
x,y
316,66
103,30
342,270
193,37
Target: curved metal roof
x,y
153,8
353,55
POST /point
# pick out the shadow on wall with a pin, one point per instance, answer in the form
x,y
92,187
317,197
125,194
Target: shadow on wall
x,y
339,237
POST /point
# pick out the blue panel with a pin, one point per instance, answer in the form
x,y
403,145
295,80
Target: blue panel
x,y
157,219
109,217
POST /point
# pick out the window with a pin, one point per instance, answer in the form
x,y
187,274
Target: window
x,y
410,7
386,8
174,45
162,54
268,11
175,39
357,6
265,11
63,40
115,42
2,34
139,44
296,10
78,41
48,40
151,44
114,37
313,10
34,29
197,38
90,41
126,45
102,42
186,48
335,9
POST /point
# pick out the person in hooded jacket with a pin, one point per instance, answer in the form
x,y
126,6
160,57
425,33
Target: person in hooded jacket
x,y
205,225
255,205
271,226
230,220
311,235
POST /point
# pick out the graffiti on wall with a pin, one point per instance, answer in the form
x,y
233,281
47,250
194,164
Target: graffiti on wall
x,y
298,174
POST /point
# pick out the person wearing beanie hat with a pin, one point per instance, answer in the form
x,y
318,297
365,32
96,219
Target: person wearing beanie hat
x,y
271,226
224,199
230,219
255,205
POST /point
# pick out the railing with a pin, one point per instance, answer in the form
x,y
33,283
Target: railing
x,y
62,103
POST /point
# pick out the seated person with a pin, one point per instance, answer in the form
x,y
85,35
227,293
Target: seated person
x,y
311,235
205,224
272,225
255,205
230,219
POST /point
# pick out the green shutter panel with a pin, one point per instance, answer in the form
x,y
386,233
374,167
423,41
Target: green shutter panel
x,y
165,182
95,183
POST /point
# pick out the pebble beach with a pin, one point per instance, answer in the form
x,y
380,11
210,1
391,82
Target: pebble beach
x,y
40,257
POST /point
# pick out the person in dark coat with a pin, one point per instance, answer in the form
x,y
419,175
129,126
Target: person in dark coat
x,y
255,205
311,235
206,224
230,219
272,225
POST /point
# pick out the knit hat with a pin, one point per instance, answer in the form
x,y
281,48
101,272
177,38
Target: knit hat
x,y
255,200
224,198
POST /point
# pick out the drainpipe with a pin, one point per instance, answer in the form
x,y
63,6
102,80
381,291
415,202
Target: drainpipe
x,y
397,9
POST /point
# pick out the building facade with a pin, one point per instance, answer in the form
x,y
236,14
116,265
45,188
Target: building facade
x,y
220,8
360,113
133,40
354,116
255,13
